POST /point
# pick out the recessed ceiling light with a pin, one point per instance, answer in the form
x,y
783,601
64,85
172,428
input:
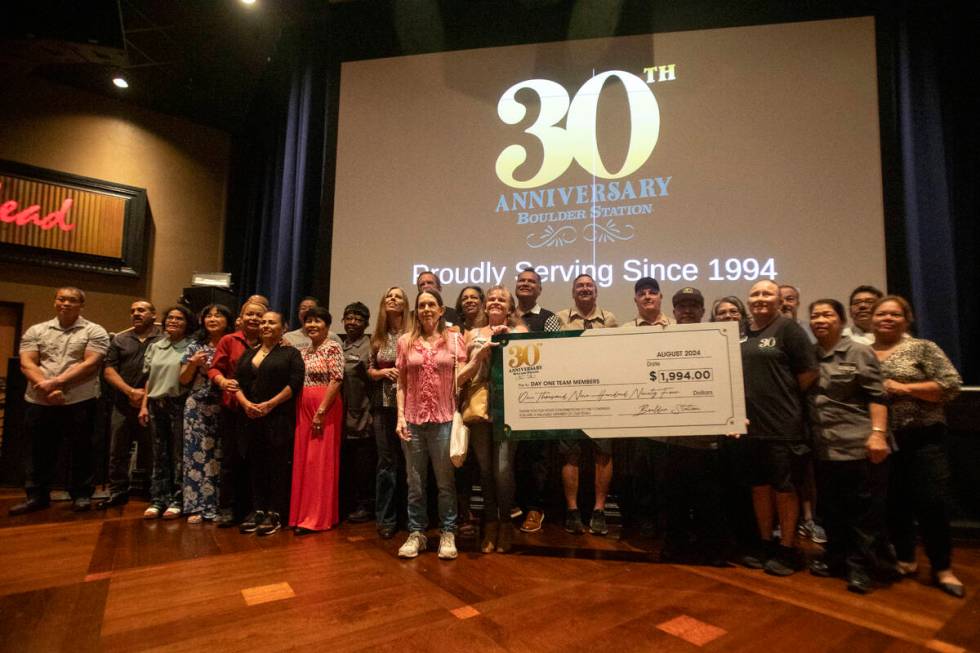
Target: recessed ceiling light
x,y
248,2
120,82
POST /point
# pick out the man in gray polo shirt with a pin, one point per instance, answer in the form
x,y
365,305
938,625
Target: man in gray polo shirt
x,y
61,359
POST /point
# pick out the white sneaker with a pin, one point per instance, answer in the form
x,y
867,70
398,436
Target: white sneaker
x,y
447,546
416,542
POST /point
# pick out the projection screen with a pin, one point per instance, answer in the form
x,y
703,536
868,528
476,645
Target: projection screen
x,y
706,158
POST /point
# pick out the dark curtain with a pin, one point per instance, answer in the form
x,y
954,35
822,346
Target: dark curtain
x,y
936,105
276,181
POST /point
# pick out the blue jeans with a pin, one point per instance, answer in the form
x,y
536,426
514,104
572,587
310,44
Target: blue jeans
x,y
430,441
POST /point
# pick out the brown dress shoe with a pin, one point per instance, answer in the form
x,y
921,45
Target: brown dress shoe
x,y
532,523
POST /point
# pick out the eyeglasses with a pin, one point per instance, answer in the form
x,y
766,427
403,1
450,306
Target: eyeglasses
x,y
731,311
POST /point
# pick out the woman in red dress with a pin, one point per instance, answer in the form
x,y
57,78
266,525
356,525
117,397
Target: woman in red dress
x,y
319,425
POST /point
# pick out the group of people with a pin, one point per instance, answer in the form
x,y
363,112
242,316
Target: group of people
x,y
221,398
250,423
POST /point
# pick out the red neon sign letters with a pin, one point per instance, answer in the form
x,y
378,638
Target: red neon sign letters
x,y
32,214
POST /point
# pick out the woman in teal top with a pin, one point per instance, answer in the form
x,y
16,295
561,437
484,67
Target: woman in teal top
x,y
163,409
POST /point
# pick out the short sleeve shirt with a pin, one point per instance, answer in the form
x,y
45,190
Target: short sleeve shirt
x,y
58,349
298,338
638,322
771,359
126,357
572,320
429,372
162,365
357,400
913,361
323,364
850,380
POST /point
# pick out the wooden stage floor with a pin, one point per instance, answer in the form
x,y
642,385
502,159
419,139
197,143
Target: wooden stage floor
x,y
113,582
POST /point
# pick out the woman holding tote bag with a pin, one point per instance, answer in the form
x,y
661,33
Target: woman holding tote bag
x,y
496,459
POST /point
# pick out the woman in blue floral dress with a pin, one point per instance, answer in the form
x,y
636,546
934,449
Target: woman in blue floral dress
x,y
202,447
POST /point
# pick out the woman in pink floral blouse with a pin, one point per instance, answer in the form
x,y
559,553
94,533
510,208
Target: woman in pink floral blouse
x,y
319,424
429,357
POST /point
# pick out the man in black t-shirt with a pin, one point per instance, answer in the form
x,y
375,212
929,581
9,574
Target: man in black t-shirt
x,y
124,372
778,365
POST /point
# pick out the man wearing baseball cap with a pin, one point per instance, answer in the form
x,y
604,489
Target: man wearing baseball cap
x,y
646,294
639,499
696,529
688,305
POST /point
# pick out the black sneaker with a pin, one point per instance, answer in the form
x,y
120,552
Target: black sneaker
x,y
758,555
597,524
786,562
573,522
251,522
859,582
269,525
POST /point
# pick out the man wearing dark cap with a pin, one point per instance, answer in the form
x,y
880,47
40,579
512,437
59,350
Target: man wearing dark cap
x,y
688,305
696,530
646,294
644,455
358,443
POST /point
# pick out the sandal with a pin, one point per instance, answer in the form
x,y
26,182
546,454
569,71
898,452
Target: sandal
x,y
195,519
153,512
173,512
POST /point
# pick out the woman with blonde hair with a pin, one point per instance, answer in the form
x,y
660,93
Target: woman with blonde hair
x,y
496,459
393,321
234,497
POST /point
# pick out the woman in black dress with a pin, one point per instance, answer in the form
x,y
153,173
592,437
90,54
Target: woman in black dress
x,y
270,377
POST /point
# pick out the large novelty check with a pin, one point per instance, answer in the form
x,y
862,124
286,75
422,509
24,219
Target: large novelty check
x,y
606,383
